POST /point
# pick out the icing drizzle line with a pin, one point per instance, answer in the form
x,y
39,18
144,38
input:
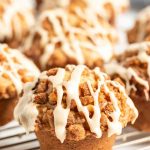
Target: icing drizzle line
x,y
72,88
10,21
11,67
71,46
127,73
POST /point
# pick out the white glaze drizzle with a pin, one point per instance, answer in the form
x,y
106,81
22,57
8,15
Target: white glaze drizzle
x,y
72,46
72,89
10,16
127,73
11,68
26,108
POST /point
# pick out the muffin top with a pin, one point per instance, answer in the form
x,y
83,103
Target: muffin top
x,y
140,31
66,36
133,67
15,70
16,18
74,103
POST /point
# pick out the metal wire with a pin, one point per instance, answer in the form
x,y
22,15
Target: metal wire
x,y
13,137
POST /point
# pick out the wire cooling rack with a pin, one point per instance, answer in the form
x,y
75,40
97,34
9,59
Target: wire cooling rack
x,y
13,137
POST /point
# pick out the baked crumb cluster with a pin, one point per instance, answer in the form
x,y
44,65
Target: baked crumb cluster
x,y
15,70
133,67
66,36
76,102
16,19
141,30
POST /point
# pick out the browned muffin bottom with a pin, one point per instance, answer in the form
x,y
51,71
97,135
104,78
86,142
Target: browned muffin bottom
x,y
13,74
8,100
141,29
133,68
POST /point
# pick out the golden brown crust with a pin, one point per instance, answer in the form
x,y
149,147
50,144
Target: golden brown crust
x,y
48,141
77,127
6,110
13,75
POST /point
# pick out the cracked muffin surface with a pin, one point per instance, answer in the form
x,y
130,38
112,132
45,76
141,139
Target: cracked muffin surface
x,y
75,103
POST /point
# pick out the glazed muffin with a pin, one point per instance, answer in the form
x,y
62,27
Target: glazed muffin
x,y
65,36
16,19
15,71
75,108
108,9
133,68
141,30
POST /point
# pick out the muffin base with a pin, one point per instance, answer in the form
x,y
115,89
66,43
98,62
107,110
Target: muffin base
x,y
6,110
48,141
143,121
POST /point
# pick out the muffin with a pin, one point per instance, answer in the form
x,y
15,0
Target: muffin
x,y
108,9
16,19
65,36
133,68
141,30
15,71
75,108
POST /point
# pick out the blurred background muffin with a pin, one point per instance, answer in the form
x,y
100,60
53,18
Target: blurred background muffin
x,y
70,36
16,20
15,71
132,67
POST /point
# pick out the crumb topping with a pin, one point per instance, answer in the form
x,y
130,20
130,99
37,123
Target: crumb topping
x,y
15,70
76,102
65,36
133,66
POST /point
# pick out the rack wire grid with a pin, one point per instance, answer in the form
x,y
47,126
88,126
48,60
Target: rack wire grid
x,y
14,137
